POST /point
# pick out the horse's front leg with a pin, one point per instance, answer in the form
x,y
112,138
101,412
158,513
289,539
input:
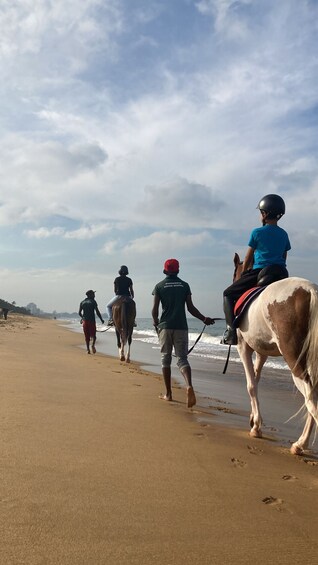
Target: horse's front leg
x,y
252,377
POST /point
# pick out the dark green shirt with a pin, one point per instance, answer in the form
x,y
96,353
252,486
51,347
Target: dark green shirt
x,y
172,293
88,307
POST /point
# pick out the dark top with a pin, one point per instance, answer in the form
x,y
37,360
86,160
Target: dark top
x,y
172,293
87,308
122,285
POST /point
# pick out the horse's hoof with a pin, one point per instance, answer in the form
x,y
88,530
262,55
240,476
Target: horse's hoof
x,y
127,360
296,450
256,433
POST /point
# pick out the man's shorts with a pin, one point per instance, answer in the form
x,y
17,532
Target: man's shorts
x,y
89,329
177,339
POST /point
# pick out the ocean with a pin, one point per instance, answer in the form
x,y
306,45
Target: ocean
x,y
221,397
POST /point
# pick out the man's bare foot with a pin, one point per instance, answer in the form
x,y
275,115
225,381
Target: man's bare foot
x,y
191,399
93,349
167,397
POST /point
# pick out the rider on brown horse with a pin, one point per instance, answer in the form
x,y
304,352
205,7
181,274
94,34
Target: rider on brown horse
x,y
265,260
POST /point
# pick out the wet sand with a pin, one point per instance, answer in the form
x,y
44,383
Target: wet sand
x,y
224,397
97,470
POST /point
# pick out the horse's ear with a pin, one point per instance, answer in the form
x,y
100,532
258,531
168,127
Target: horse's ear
x,y
236,259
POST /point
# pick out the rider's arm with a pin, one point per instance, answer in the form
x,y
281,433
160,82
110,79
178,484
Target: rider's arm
x,y
249,259
131,290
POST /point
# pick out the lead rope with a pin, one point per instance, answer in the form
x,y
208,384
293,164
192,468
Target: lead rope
x,y
227,360
198,338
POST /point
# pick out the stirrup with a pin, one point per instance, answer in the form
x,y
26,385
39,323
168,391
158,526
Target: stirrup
x,y
110,322
229,337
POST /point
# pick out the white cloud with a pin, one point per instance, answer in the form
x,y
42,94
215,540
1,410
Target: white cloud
x,y
167,242
44,233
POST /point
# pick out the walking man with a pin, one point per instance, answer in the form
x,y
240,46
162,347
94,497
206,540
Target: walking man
x,y
87,309
174,294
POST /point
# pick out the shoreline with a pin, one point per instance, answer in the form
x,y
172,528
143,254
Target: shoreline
x,y
96,470
224,399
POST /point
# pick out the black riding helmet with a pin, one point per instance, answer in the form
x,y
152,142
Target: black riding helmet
x,y
273,205
123,270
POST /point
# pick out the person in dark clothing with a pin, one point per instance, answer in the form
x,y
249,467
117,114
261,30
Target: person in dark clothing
x,y
174,294
123,286
267,250
87,309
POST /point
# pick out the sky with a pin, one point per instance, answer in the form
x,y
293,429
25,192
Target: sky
x,y
133,131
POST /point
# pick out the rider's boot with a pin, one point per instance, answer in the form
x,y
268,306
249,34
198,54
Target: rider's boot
x,y
230,336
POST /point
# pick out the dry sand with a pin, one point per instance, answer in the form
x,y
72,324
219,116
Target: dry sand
x,y
95,469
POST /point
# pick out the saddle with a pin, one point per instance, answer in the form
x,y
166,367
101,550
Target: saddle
x,y
244,301
267,276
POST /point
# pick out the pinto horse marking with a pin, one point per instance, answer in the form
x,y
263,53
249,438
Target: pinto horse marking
x,y
124,314
282,321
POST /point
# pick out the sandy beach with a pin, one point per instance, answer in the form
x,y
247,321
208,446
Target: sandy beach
x,y
97,470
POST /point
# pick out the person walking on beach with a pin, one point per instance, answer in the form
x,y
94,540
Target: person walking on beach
x,y
265,260
87,309
174,294
123,286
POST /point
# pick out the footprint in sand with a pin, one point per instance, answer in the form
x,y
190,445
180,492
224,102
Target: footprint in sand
x,y
310,462
272,501
136,384
254,450
238,462
289,478
199,434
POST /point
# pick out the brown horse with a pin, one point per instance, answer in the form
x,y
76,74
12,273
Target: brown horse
x,y
124,314
282,321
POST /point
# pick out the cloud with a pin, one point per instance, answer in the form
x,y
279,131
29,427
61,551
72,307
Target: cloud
x,y
82,233
180,203
167,242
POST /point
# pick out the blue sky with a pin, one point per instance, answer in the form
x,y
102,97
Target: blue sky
x,y
133,131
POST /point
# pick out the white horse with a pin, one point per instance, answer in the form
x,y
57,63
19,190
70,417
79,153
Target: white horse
x,y
282,321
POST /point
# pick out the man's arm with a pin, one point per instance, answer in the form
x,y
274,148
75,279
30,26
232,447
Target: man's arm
x,y
99,314
155,310
195,312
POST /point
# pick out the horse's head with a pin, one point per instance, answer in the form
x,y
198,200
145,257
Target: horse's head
x,y
238,267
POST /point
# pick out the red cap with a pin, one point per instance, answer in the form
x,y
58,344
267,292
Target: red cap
x,y
171,266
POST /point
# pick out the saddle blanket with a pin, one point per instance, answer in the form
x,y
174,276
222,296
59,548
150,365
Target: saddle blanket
x,y
244,301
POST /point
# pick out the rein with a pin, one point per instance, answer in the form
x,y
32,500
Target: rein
x,y
198,338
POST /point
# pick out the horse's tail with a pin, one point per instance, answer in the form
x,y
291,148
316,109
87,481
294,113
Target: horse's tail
x,y
310,347
124,322
128,314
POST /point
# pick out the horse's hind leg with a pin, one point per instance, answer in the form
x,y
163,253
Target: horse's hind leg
x,y
128,351
252,378
311,401
302,443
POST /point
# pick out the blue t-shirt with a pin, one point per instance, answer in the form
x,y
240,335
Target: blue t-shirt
x,y
270,243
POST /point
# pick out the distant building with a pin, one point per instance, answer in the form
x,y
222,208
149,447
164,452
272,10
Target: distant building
x,y
34,310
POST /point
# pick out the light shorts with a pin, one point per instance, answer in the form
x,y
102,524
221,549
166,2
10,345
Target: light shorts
x,y
177,339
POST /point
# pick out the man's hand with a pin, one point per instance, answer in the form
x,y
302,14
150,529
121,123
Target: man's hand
x,y
209,321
